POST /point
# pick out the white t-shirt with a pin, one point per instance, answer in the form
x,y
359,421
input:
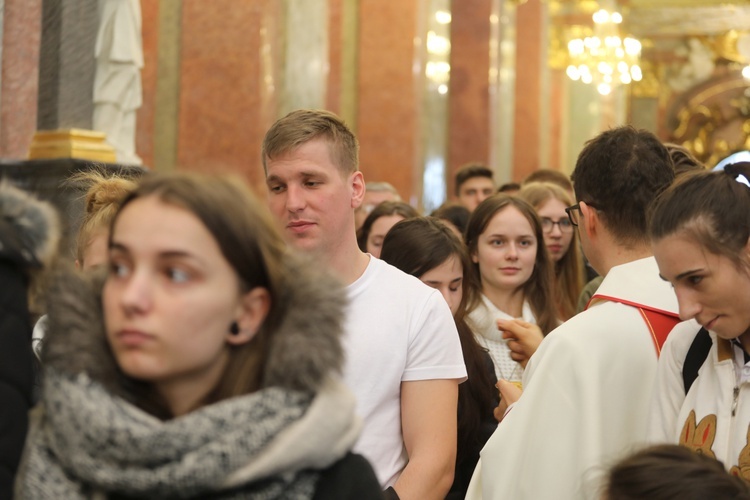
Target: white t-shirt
x,y
397,330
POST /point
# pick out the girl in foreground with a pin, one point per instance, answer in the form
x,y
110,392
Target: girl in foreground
x,y
202,368
427,249
506,244
700,233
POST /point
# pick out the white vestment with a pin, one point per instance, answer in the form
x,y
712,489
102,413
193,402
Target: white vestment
x,y
586,397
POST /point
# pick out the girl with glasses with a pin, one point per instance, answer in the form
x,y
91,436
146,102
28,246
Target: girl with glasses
x,y
506,244
561,241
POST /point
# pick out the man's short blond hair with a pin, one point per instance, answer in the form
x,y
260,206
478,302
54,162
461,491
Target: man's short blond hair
x,y
304,125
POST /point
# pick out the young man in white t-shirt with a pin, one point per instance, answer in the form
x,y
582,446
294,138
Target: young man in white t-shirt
x,y
404,358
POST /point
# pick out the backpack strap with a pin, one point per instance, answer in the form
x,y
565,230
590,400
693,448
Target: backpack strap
x,y
695,358
659,322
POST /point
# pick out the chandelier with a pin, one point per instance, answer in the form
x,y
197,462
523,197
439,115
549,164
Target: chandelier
x,y
604,58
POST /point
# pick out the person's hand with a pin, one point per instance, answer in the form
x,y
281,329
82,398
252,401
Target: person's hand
x,y
509,394
523,338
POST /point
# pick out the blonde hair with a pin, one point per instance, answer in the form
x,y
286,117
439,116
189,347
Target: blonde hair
x,y
304,125
104,193
569,270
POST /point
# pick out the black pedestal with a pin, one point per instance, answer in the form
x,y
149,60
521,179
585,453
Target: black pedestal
x,y
47,180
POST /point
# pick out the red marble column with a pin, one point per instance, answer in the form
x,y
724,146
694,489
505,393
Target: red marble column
x,y
469,113
558,97
388,100
220,125
144,135
528,74
335,38
20,76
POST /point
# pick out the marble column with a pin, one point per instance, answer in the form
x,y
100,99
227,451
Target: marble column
x,y
502,77
67,64
167,84
469,95
145,120
529,60
218,118
388,83
349,43
21,32
306,55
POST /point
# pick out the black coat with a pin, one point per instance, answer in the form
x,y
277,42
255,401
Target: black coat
x,y
28,238
351,478
16,370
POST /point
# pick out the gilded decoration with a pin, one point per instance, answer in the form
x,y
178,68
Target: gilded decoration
x,y
712,119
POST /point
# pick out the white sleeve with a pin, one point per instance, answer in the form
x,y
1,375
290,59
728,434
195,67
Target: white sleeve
x,y
669,390
434,350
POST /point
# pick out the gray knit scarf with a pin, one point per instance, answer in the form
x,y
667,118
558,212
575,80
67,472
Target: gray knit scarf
x,y
269,444
87,441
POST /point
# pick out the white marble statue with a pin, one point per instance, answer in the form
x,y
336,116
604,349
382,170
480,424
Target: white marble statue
x,y
117,84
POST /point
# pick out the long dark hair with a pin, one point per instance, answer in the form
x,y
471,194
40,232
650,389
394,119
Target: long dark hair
x,y
538,288
383,209
417,246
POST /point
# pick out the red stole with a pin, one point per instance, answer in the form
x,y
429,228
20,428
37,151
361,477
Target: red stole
x,y
659,322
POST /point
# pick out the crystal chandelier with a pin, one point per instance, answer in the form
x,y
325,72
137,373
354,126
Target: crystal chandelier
x,y
604,59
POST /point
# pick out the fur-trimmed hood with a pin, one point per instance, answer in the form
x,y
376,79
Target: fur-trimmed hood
x,y
305,347
29,229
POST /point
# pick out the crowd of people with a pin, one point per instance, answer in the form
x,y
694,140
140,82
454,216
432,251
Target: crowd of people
x,y
556,338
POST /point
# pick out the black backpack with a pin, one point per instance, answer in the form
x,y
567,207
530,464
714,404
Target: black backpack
x,y
695,358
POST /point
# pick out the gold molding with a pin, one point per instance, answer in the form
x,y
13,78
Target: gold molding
x,y
71,143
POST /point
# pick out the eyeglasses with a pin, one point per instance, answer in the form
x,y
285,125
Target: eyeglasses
x,y
573,216
549,224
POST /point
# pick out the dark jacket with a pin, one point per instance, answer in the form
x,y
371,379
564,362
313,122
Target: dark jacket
x,y
351,478
16,372
28,235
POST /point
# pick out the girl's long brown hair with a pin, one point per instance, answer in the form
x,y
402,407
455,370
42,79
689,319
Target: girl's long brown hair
x,y
417,246
538,289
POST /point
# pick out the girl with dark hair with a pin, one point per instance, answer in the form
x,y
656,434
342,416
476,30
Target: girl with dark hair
x,y
204,366
429,250
382,218
700,234
510,262
671,472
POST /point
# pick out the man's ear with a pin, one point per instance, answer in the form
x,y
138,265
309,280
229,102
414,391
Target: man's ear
x,y
357,182
254,308
589,220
